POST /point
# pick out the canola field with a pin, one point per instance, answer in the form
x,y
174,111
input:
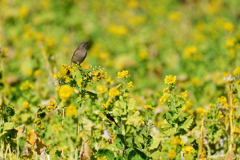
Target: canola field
x,y
160,80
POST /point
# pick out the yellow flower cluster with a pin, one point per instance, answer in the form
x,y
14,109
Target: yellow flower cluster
x,y
101,89
148,107
175,16
98,75
192,53
65,92
222,100
114,92
66,69
187,105
52,105
171,154
212,105
228,27
170,80
164,98
71,110
188,150
176,141
117,30
130,84
123,74
184,95
108,103
109,80
102,158
26,86
26,105
231,42
236,72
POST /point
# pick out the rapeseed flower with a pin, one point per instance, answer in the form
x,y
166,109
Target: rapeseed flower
x,y
171,154
101,89
130,84
188,150
71,110
170,80
236,72
123,74
114,92
26,86
65,92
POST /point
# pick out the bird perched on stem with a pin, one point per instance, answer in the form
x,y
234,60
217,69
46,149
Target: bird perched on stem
x,y
80,53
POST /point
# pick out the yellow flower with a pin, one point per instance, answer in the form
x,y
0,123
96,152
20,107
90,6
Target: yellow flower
x,y
123,74
102,158
52,104
170,80
184,95
142,119
26,86
23,11
118,86
148,107
175,16
26,105
236,72
71,110
192,53
143,54
171,154
65,40
176,141
65,92
109,80
164,98
222,100
212,105
220,114
195,81
231,42
101,89
49,41
114,92
130,84
199,110
132,3
37,73
228,26
235,101
187,105
117,30
188,150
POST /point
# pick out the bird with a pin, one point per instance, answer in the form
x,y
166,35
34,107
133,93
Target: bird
x,y
80,53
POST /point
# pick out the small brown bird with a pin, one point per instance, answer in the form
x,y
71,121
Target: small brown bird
x,y
80,53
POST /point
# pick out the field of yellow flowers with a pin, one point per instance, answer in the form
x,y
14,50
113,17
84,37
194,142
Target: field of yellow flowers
x,y
160,80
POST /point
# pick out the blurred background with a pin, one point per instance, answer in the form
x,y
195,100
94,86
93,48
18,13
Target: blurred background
x,y
196,40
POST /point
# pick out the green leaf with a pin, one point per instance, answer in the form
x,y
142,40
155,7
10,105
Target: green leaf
x,y
131,155
131,104
8,125
142,154
187,123
107,153
156,141
169,117
92,95
167,129
120,136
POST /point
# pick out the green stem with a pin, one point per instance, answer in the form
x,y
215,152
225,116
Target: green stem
x,y
63,117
